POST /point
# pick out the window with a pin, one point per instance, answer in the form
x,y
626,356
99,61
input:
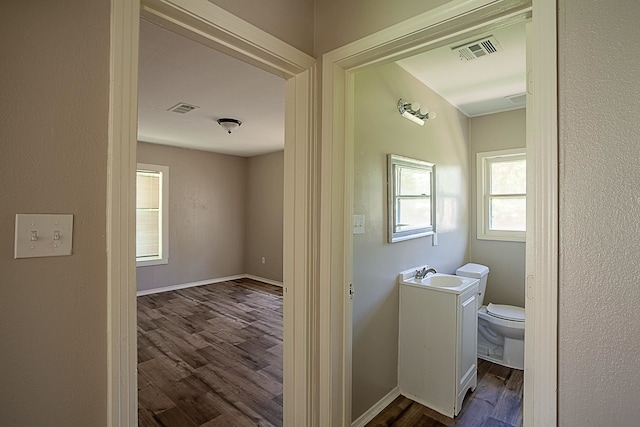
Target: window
x,y
411,186
152,215
502,195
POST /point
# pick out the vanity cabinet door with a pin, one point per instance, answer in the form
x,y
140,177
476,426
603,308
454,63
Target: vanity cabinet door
x,y
468,344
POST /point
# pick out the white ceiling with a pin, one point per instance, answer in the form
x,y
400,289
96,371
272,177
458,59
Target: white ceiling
x,y
174,69
479,86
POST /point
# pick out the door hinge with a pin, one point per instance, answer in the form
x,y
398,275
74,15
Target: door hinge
x,y
351,291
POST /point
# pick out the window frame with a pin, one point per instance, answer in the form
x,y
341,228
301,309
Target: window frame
x,y
394,160
483,195
164,214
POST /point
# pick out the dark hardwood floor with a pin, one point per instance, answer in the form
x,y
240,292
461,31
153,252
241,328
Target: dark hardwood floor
x,y
211,356
496,402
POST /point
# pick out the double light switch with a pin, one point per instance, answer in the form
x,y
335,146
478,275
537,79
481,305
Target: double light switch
x,y
43,235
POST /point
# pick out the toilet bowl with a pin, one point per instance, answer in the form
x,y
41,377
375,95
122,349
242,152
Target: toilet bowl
x,y
500,327
501,340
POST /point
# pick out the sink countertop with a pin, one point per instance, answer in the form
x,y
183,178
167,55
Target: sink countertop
x,y
408,278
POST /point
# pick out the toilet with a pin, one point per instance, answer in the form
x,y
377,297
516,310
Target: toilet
x,y
500,327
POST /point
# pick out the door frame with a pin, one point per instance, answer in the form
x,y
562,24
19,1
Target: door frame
x,y
423,32
211,25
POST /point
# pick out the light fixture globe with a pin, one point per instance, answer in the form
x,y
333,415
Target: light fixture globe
x,y
229,124
414,112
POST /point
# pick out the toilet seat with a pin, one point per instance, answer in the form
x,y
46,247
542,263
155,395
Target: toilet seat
x,y
506,312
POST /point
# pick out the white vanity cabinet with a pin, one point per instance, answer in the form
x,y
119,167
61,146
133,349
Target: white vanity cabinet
x,y
437,360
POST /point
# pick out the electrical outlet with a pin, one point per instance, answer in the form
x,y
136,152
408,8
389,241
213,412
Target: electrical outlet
x,y
264,260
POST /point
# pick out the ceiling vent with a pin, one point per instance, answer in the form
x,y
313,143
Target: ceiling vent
x,y
479,48
182,108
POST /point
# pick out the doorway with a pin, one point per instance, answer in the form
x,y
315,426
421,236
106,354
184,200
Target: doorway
x,y
209,324
444,25
467,114
212,26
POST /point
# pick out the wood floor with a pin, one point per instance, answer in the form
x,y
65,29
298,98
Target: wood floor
x,y
496,402
211,356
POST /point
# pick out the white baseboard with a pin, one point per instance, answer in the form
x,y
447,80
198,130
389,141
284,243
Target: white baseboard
x,y
206,282
264,280
377,408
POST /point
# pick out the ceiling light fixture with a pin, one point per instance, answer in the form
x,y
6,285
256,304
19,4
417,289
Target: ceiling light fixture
x,y
413,112
229,124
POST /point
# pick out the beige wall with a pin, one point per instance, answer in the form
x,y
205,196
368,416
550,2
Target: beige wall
x,y
380,130
264,226
225,214
599,213
53,158
505,260
206,216
339,22
289,20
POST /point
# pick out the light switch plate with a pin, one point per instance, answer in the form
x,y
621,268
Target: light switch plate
x,y
358,224
43,235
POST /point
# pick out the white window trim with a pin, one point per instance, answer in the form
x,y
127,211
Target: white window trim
x,y
164,214
482,196
400,236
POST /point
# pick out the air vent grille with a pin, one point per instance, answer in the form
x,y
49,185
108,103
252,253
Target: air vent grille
x,y
478,48
182,108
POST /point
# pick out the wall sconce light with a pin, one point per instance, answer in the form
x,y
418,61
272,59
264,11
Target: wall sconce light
x,y
229,124
413,112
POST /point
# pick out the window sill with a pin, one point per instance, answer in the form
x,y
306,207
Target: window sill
x,y
502,238
150,262
400,238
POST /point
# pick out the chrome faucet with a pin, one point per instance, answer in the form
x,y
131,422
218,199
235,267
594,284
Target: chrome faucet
x,y
421,274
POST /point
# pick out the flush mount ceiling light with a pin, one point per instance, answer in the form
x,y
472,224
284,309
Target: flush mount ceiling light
x,y
413,112
229,124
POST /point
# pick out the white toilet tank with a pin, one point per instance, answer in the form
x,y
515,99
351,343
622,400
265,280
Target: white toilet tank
x,y
476,271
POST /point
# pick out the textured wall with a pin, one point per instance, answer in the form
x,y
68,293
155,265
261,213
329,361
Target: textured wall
x,y
206,215
264,226
505,260
339,22
380,130
53,159
291,21
599,318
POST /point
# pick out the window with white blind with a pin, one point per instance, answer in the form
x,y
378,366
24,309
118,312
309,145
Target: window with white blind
x,y
502,195
152,215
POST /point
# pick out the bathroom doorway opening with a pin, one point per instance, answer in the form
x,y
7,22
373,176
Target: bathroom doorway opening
x,y
450,141
340,68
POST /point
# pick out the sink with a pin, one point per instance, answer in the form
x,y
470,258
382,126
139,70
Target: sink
x,y
443,281
438,282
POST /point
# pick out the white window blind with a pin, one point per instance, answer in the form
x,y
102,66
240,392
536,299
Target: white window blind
x,y
151,215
